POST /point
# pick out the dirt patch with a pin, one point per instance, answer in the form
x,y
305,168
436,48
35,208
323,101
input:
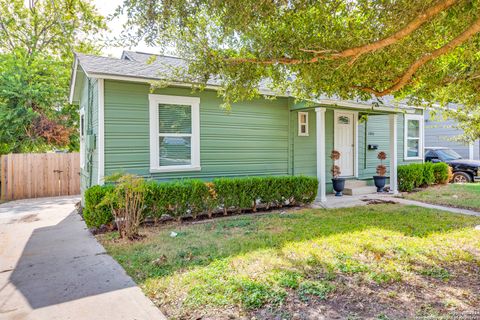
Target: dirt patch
x,y
422,296
378,201
26,219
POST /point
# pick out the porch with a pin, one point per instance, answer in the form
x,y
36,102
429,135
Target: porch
x,y
348,140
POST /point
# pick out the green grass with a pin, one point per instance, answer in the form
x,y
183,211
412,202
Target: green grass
x,y
249,262
465,196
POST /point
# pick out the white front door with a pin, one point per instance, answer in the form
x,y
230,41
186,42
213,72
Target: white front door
x,y
344,141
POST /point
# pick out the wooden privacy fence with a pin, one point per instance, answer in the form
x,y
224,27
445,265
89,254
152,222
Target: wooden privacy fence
x,y
35,175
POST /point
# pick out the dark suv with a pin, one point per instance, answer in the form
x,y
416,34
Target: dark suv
x,y
463,170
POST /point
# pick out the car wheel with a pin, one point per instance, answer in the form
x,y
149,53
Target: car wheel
x,y
461,177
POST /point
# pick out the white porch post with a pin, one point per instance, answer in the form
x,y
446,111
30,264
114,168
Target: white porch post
x,y
320,115
471,154
393,153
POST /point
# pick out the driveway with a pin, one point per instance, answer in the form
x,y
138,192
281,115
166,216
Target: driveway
x,y
51,267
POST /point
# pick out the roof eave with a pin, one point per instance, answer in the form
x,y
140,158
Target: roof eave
x,y
174,83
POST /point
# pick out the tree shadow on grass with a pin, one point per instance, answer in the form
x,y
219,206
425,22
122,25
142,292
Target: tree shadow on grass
x,y
200,244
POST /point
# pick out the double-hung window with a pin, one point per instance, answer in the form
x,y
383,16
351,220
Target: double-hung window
x,y
413,137
174,133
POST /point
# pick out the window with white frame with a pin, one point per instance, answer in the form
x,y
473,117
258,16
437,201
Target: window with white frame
x,y
303,123
174,133
82,138
413,137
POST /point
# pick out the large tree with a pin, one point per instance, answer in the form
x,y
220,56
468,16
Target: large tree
x,y
37,40
426,50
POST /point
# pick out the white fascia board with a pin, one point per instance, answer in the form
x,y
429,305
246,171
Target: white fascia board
x,y
73,80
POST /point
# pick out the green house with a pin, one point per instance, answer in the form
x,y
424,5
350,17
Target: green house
x,y
174,133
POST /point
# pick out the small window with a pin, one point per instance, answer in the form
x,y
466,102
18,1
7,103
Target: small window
x,y
413,137
303,124
82,139
343,120
174,133
82,125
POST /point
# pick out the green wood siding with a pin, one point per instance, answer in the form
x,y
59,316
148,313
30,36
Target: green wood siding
x,y
376,130
251,139
305,151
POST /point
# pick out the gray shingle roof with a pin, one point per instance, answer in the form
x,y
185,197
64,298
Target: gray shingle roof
x,y
141,65
132,65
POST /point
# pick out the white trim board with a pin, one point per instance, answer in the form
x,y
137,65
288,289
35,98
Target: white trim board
x,y
321,154
101,131
194,102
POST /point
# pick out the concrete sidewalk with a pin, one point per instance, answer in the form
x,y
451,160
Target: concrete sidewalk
x,y
361,200
51,267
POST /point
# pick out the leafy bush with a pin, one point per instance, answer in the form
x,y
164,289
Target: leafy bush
x,y
95,213
441,172
428,174
183,197
126,201
415,175
408,177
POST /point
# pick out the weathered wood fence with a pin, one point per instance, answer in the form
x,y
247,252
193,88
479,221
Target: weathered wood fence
x,y
35,175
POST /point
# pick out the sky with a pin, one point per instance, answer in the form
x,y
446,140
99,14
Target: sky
x,y
106,8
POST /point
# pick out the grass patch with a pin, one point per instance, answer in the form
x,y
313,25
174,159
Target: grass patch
x,y
250,263
466,196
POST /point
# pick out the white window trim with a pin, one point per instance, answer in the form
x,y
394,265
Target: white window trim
x,y
299,115
420,118
82,138
194,102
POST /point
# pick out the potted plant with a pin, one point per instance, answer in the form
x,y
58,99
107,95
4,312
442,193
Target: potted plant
x,y
380,178
338,183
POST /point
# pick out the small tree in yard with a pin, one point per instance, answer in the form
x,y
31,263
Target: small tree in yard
x,y
127,203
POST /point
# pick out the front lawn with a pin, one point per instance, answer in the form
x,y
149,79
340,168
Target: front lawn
x,y
465,196
377,261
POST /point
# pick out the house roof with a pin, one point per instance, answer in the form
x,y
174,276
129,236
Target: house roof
x,y
140,66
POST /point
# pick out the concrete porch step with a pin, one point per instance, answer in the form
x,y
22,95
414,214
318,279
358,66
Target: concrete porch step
x,y
359,190
355,184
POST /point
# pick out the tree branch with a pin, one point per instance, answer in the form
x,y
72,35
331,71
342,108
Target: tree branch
x,y
356,52
404,79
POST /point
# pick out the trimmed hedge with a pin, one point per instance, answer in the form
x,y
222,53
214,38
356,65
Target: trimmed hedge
x,y
416,175
94,213
441,172
193,197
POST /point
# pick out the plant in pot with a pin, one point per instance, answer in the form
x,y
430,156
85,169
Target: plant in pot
x,y
380,178
338,183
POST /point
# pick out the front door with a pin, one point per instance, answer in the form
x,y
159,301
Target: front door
x,y
344,141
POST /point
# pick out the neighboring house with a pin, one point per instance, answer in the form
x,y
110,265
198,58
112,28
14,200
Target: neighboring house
x,y
440,133
175,133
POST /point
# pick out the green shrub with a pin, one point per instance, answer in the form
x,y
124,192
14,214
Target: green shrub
x,y
408,176
428,174
416,175
182,197
127,204
94,213
440,171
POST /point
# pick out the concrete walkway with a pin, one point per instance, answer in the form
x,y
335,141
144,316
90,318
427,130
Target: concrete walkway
x,y
361,200
51,267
